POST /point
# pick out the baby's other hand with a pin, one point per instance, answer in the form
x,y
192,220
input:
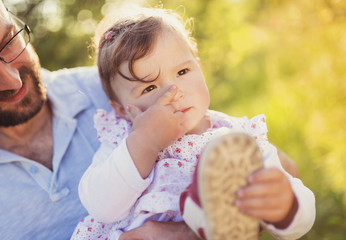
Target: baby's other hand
x,y
269,197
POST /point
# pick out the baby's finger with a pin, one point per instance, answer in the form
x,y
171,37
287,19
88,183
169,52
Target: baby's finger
x,y
168,96
259,190
132,112
270,215
266,175
258,203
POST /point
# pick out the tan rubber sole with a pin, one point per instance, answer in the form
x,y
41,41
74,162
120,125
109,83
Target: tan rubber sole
x,y
224,167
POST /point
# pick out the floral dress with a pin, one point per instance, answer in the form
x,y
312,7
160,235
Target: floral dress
x,y
173,170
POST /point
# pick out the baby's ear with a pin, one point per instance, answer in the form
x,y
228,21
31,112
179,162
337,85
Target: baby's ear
x,y
119,109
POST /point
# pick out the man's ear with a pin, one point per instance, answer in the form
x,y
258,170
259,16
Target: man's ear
x,y
119,109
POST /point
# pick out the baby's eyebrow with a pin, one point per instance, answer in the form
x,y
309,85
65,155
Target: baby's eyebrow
x,y
148,79
136,85
139,84
184,62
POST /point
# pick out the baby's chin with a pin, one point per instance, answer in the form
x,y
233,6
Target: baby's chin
x,y
200,126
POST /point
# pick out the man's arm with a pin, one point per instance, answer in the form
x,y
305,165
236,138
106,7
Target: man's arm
x,y
153,230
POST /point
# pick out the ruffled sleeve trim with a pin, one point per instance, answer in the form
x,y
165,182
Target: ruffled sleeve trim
x,y
111,127
256,126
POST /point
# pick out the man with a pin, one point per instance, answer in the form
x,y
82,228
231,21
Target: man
x,y
47,141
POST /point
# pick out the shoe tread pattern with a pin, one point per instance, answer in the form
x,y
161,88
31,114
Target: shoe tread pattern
x,y
226,164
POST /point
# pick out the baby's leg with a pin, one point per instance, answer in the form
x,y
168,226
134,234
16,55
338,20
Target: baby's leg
x,y
208,203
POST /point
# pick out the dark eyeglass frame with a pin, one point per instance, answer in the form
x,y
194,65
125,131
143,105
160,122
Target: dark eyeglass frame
x,y
26,29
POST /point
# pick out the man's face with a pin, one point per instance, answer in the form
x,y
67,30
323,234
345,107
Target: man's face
x,y
21,92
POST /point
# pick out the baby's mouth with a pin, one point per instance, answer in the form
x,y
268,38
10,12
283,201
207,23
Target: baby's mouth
x,y
184,110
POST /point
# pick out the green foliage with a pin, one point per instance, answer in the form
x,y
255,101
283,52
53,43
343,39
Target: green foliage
x,y
282,58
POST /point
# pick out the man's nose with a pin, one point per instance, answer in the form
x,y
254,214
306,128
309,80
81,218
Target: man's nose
x,y
9,77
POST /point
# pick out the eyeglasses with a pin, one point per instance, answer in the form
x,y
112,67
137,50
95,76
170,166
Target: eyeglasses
x,y
17,44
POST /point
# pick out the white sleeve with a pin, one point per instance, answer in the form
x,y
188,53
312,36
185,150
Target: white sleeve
x,y
112,184
306,213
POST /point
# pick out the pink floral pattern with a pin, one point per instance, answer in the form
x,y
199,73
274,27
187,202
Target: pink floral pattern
x,y
174,166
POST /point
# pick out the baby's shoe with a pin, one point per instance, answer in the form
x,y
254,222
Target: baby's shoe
x,y
207,205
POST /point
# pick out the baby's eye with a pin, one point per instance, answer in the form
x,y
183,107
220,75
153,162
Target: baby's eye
x,y
182,72
150,88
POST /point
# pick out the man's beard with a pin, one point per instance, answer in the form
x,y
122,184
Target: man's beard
x,y
30,105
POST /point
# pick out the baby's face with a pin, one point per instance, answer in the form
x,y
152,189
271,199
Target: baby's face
x,y
171,62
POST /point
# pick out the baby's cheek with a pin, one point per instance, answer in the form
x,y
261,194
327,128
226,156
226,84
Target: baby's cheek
x,y
143,106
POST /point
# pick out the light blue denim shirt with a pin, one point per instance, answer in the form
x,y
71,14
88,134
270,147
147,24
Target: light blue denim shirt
x,y
35,202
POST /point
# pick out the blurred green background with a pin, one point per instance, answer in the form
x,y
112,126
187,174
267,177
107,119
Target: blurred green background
x,y
286,59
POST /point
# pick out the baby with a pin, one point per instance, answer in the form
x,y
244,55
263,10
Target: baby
x,y
165,156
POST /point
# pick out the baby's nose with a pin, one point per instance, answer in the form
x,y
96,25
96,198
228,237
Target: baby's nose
x,y
180,95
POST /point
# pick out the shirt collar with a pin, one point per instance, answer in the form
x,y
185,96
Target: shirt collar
x,y
67,100
66,97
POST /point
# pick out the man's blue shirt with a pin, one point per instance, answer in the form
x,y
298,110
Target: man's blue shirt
x,y
35,202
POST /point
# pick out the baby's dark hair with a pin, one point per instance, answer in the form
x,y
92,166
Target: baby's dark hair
x,y
131,37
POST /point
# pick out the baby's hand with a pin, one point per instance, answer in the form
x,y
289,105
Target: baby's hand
x,y
268,196
160,124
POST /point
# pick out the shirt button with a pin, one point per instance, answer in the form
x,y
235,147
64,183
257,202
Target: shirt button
x,y
33,169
